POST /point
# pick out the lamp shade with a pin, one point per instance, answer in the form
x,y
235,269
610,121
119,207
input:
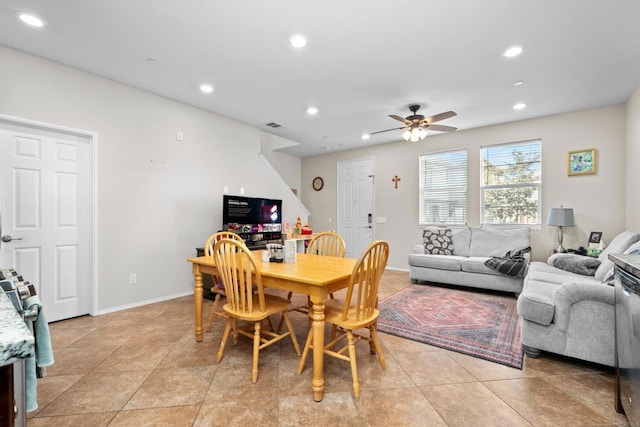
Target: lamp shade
x,y
560,216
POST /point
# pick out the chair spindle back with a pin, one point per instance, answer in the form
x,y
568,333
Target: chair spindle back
x,y
362,294
240,276
327,243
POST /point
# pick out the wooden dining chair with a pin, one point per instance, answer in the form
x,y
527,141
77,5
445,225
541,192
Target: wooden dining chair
x,y
327,243
359,311
217,288
246,301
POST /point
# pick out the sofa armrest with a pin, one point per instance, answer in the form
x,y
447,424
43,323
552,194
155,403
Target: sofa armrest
x,y
570,293
418,249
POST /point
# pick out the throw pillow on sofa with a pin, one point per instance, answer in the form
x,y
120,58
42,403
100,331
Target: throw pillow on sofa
x,y
438,241
573,263
619,244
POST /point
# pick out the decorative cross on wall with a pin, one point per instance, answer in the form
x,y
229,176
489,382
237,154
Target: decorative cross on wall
x,y
395,180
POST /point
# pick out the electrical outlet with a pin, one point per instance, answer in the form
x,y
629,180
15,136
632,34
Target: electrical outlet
x,y
132,279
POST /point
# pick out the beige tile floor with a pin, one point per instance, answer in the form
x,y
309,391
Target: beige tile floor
x,y
142,367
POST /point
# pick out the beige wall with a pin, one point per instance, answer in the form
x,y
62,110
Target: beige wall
x,y
632,162
158,198
597,200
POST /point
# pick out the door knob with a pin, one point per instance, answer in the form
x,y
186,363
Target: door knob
x,y
7,238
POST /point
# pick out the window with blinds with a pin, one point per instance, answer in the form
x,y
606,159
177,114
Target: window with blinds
x,y
443,188
510,186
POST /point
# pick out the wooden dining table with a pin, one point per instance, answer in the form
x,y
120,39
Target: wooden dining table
x,y
313,275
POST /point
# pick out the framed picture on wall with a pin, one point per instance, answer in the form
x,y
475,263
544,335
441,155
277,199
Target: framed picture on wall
x,y
581,162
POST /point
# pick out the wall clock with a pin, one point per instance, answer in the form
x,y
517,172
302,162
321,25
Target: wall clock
x,y
318,183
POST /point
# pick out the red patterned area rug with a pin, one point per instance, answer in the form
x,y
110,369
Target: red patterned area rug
x,y
477,323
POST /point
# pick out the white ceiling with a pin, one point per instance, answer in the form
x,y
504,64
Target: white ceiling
x,y
365,59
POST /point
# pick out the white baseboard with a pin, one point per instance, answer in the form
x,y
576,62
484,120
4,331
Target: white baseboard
x,y
397,269
145,302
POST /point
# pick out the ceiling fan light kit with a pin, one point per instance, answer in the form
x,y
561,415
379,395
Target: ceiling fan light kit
x,y
416,125
415,134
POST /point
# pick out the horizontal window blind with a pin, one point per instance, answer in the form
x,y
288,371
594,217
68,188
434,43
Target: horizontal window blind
x,y
443,188
511,177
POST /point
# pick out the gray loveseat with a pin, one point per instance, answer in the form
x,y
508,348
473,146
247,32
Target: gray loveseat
x,y
572,314
457,257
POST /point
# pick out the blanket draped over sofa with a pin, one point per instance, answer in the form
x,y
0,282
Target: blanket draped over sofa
x,y
458,257
512,264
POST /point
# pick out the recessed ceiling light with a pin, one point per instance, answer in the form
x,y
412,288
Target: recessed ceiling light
x,y
518,83
31,20
152,61
206,88
513,51
520,106
298,41
312,111
365,136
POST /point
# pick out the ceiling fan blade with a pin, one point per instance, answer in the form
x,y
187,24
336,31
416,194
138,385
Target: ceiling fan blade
x,y
387,130
440,116
441,128
402,119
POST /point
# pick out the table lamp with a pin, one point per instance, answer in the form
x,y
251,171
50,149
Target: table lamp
x,y
561,217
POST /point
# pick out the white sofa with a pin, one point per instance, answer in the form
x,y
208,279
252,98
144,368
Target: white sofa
x,y
572,314
459,256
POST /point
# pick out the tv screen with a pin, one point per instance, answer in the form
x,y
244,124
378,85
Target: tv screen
x,y
251,214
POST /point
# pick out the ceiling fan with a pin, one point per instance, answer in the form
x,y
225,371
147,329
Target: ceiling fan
x,y
417,124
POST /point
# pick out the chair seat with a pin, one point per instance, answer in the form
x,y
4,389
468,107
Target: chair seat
x,y
273,305
333,314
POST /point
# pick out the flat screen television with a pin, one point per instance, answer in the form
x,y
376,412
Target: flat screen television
x,y
252,215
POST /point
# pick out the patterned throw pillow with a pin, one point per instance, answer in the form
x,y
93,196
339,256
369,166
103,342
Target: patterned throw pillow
x,y
438,241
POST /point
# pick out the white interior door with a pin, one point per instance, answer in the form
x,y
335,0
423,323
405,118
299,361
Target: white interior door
x,y
45,189
355,204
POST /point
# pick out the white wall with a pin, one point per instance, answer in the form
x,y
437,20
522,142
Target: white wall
x,y
598,200
632,162
158,198
289,167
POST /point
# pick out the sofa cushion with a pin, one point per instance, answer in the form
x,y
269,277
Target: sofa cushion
x,y
477,265
461,241
495,242
535,303
543,267
441,262
618,245
437,241
557,276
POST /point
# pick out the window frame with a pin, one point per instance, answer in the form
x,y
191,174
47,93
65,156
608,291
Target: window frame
x,y
537,185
